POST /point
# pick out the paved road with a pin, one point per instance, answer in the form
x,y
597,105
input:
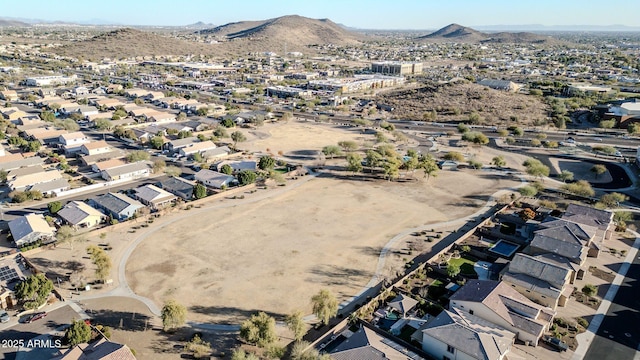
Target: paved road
x,y
619,334
22,333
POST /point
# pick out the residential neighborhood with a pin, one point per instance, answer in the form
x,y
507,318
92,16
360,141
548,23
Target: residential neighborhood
x,y
279,186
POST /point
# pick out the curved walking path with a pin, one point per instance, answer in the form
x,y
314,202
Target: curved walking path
x,y
123,289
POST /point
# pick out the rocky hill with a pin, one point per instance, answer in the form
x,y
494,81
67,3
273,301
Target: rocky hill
x,y
457,33
127,42
462,34
294,32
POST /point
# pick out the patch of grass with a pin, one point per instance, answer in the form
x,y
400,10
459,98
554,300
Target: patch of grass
x,y
466,265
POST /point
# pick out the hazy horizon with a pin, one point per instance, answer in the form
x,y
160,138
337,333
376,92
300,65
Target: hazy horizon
x,y
371,14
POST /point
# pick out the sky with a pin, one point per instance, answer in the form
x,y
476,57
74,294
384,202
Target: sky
x,y
364,14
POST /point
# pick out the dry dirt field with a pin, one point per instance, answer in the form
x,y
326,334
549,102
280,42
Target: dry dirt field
x,y
224,264
225,260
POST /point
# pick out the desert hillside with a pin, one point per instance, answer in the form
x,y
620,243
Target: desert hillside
x,y
454,102
127,42
293,32
461,34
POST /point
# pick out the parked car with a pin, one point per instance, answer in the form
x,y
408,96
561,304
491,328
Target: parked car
x,y
4,317
555,343
36,316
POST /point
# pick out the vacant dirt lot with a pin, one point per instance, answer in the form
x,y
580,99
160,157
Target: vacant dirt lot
x,y
228,258
273,255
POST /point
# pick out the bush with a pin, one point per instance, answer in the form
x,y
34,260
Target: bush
x,y
582,322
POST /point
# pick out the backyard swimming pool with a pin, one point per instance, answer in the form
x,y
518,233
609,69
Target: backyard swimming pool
x,y
504,248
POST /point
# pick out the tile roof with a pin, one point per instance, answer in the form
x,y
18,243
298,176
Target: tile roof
x,y
178,186
588,216
367,344
76,211
513,307
116,202
152,193
402,303
540,268
570,250
470,334
532,284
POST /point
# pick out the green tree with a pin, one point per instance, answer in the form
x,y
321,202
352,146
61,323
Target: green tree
x,y
259,330
462,128
220,132
246,177
373,158
65,235
156,142
198,347
158,165
580,188
633,128
528,190
611,200
607,150
33,290
203,111
517,131
173,315
453,270
589,290
598,169
454,156
228,123
503,133
354,162
172,170
103,124
199,191
325,305
475,164
296,324
565,175
226,169
3,175
266,163
138,155
499,161
237,137
47,116
54,207
240,354
474,118
331,151
77,333
348,145
608,124
536,168
429,165
535,142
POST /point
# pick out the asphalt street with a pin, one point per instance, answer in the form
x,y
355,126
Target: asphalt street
x,y
21,333
619,334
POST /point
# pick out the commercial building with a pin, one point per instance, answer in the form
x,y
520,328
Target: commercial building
x,y
397,68
50,80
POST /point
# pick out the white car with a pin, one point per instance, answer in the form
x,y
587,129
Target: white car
x,y
4,316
